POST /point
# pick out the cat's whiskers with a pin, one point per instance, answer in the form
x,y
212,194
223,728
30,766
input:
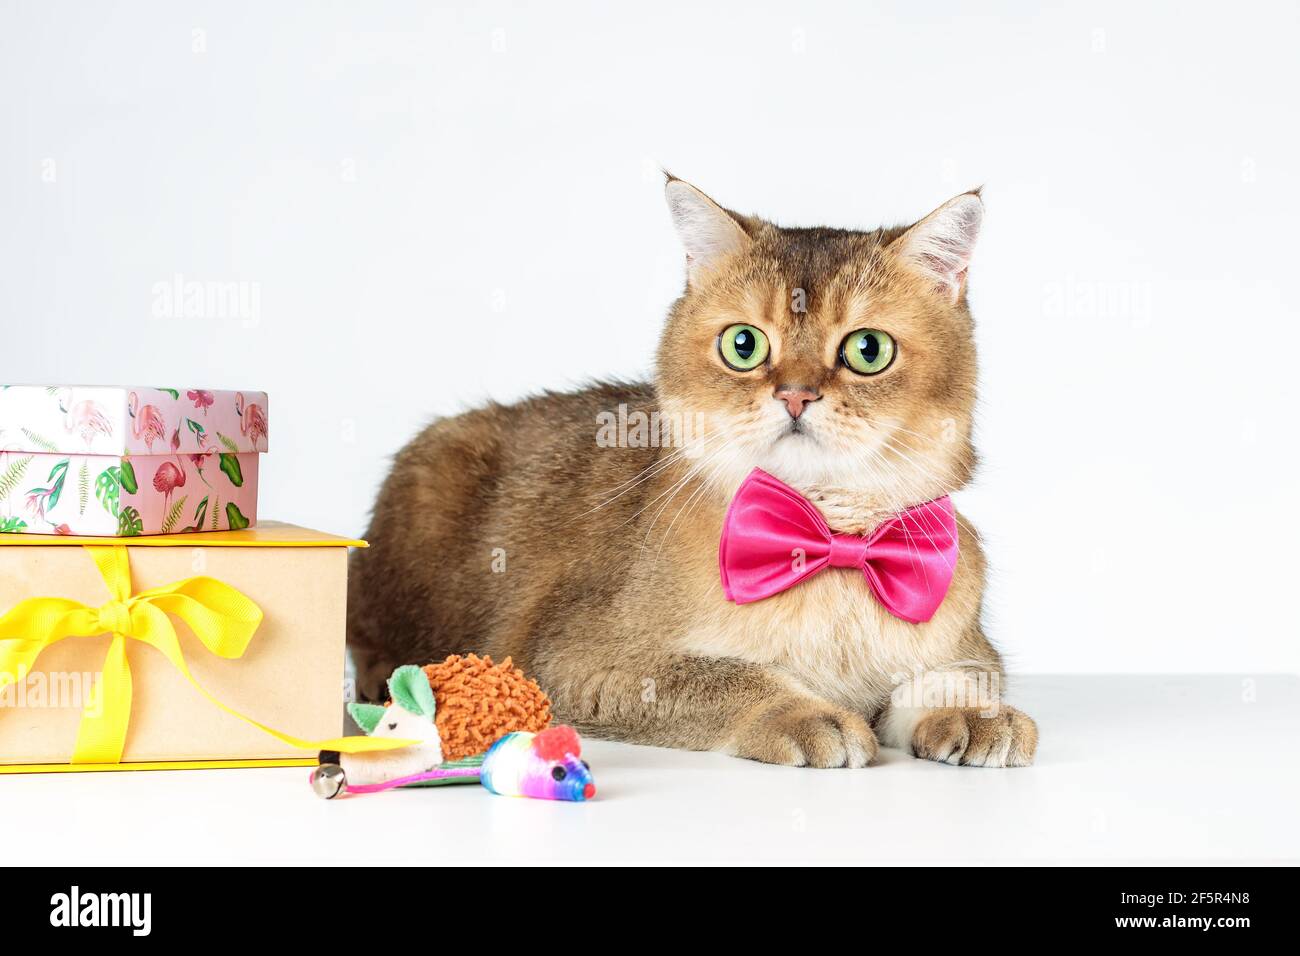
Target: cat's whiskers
x,y
921,513
900,513
889,488
672,492
891,427
654,469
697,497
647,472
912,512
903,489
658,463
897,491
947,485
896,505
652,501
893,506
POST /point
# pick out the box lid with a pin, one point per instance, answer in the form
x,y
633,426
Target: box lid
x,y
130,420
265,534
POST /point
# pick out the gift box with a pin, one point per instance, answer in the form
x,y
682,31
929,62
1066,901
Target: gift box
x,y
122,462
214,649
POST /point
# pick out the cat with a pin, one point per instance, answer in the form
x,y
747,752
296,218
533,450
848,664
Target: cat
x,y
589,553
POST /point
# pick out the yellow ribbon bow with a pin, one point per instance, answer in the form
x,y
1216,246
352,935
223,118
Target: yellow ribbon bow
x,y
220,616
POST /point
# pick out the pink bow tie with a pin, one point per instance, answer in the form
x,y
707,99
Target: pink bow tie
x,y
773,538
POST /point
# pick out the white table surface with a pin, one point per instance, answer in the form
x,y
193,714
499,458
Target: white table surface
x,y
1130,769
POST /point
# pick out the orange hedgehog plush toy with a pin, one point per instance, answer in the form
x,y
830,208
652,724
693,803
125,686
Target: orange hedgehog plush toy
x,y
479,702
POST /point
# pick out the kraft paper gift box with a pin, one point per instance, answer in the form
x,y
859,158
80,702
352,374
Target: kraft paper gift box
x,y
287,683
120,462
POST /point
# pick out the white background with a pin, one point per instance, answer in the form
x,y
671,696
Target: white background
x,y
438,203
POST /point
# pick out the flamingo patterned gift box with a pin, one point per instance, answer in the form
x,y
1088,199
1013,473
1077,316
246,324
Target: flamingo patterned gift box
x,y
125,461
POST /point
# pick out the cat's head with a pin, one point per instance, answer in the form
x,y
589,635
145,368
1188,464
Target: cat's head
x,y
827,357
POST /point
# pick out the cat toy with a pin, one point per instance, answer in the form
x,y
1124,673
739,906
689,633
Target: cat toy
x,y
545,766
474,721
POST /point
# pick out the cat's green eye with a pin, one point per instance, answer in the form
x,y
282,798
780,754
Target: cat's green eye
x,y
742,347
867,351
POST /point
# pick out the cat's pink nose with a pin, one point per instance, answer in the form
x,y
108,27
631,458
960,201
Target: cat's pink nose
x,y
796,398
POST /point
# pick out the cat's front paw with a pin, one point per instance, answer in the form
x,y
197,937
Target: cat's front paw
x,y
851,512
971,737
807,733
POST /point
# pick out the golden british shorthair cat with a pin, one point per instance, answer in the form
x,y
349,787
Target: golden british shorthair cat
x,y
579,533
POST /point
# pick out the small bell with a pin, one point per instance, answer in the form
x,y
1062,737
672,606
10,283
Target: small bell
x,y
328,780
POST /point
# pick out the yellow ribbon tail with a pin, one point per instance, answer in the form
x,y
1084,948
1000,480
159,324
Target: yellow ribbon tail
x,y
101,736
153,627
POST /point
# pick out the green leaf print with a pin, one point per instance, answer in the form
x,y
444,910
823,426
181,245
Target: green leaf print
x,y
234,517
83,487
200,516
61,469
107,487
216,513
173,516
52,494
129,523
229,443
128,477
40,441
12,525
230,465
171,391
12,475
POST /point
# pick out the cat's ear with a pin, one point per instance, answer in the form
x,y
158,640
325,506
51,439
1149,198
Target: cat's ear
x,y
709,233
940,245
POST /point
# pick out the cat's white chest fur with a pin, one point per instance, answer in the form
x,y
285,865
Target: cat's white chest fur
x,y
830,635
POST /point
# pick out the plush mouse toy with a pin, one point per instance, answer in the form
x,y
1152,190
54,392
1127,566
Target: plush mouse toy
x,y
410,716
547,764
